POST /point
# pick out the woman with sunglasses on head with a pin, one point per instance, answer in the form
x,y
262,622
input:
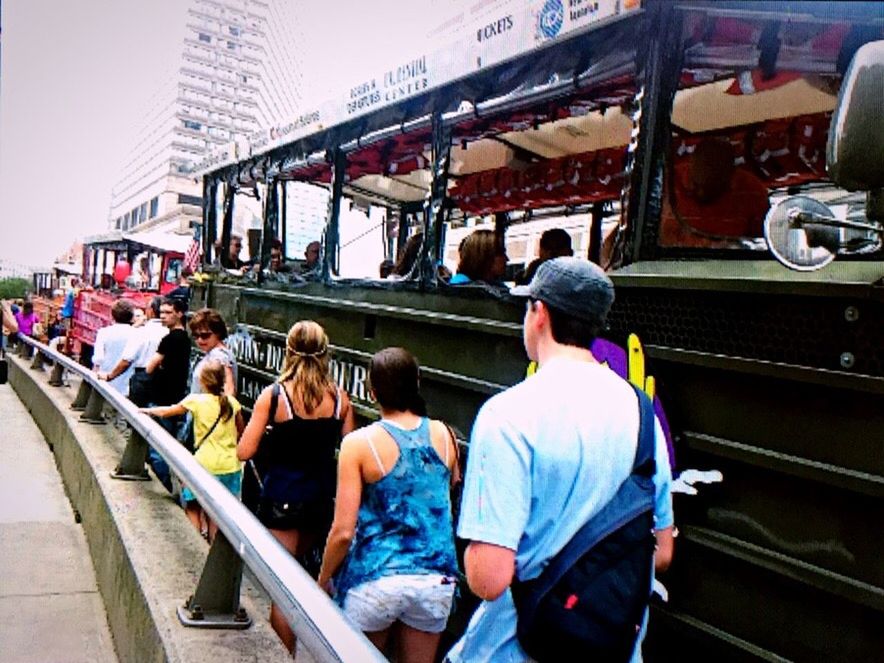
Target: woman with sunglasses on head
x,y
209,332
392,540
307,414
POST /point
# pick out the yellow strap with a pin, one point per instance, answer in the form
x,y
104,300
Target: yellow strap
x,y
635,371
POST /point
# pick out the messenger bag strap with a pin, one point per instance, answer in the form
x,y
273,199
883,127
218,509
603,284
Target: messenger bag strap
x,y
644,454
204,437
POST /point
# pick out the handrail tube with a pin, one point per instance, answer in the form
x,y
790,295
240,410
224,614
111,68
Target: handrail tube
x,y
317,622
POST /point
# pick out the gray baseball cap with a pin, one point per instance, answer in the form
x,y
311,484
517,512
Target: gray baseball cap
x,y
574,286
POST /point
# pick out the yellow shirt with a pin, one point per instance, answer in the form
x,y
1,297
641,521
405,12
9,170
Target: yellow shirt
x,y
217,452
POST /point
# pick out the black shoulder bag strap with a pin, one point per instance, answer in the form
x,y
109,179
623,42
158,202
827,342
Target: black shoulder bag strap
x,y
274,402
644,454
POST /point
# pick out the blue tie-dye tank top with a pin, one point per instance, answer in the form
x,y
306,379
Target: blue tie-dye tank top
x,y
405,524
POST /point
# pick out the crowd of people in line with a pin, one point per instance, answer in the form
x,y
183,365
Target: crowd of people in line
x,y
542,461
545,455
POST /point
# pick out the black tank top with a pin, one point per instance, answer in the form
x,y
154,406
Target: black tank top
x,y
300,454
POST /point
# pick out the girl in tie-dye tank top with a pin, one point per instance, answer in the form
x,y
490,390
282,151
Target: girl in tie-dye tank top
x,y
391,546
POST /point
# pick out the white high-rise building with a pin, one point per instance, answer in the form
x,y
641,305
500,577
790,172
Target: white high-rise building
x,y
239,71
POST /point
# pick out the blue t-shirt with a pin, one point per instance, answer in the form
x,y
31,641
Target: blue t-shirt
x,y
545,456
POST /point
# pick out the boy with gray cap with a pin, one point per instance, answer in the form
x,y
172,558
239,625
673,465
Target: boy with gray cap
x,y
547,454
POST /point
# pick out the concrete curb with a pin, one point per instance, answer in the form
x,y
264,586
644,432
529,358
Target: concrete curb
x,y
147,557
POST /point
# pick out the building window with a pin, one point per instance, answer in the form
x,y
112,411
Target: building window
x,y
190,124
126,221
184,199
119,223
206,38
231,45
154,205
234,30
142,213
243,78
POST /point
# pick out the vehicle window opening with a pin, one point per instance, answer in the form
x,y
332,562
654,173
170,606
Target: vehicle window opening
x,y
746,137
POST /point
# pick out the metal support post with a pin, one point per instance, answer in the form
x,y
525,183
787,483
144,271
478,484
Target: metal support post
x,y
215,604
56,377
131,467
37,362
94,405
82,397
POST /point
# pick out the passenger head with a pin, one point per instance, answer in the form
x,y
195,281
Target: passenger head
x,y
394,378
172,310
138,317
122,311
153,310
482,257
409,255
212,377
307,363
27,308
385,268
235,247
710,169
577,295
311,254
275,255
208,328
555,243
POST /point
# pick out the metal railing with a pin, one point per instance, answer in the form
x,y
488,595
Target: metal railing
x,y
317,622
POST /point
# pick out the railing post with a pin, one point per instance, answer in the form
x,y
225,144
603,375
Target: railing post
x,y
94,405
82,397
215,604
131,467
56,378
37,362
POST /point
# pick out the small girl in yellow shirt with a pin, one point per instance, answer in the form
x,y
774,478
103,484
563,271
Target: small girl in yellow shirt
x,y
217,425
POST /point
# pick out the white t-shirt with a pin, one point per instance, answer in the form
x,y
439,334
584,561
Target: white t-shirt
x,y
109,345
144,342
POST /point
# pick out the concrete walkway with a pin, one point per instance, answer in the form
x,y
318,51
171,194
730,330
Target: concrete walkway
x,y
50,608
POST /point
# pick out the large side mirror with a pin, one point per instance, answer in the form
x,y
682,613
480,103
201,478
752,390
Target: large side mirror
x,y
802,233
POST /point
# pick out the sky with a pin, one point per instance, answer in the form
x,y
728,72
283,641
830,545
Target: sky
x,y
76,74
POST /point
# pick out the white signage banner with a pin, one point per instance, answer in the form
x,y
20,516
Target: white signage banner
x,y
505,32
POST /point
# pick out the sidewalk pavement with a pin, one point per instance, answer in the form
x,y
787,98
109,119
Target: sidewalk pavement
x,y
50,608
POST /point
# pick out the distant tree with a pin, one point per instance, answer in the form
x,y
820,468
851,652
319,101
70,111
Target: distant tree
x,y
14,288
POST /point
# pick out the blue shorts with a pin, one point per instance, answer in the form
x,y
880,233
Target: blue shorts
x,y
232,480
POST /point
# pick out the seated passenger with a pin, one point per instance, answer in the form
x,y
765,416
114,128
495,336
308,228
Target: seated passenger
x,y
715,203
482,258
554,243
311,258
277,264
410,253
385,268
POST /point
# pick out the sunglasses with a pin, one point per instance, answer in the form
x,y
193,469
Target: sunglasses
x,y
202,335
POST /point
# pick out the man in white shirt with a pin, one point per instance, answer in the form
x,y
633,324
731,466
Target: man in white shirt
x,y
111,341
141,347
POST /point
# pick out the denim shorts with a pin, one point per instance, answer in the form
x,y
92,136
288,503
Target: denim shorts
x,y
422,602
232,480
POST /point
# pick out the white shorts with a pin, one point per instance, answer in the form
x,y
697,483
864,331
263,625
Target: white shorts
x,y
422,602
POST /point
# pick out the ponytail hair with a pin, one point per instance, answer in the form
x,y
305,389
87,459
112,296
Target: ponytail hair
x,y
394,377
212,377
307,363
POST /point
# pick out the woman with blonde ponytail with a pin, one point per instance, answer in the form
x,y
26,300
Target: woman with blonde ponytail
x,y
217,424
298,422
